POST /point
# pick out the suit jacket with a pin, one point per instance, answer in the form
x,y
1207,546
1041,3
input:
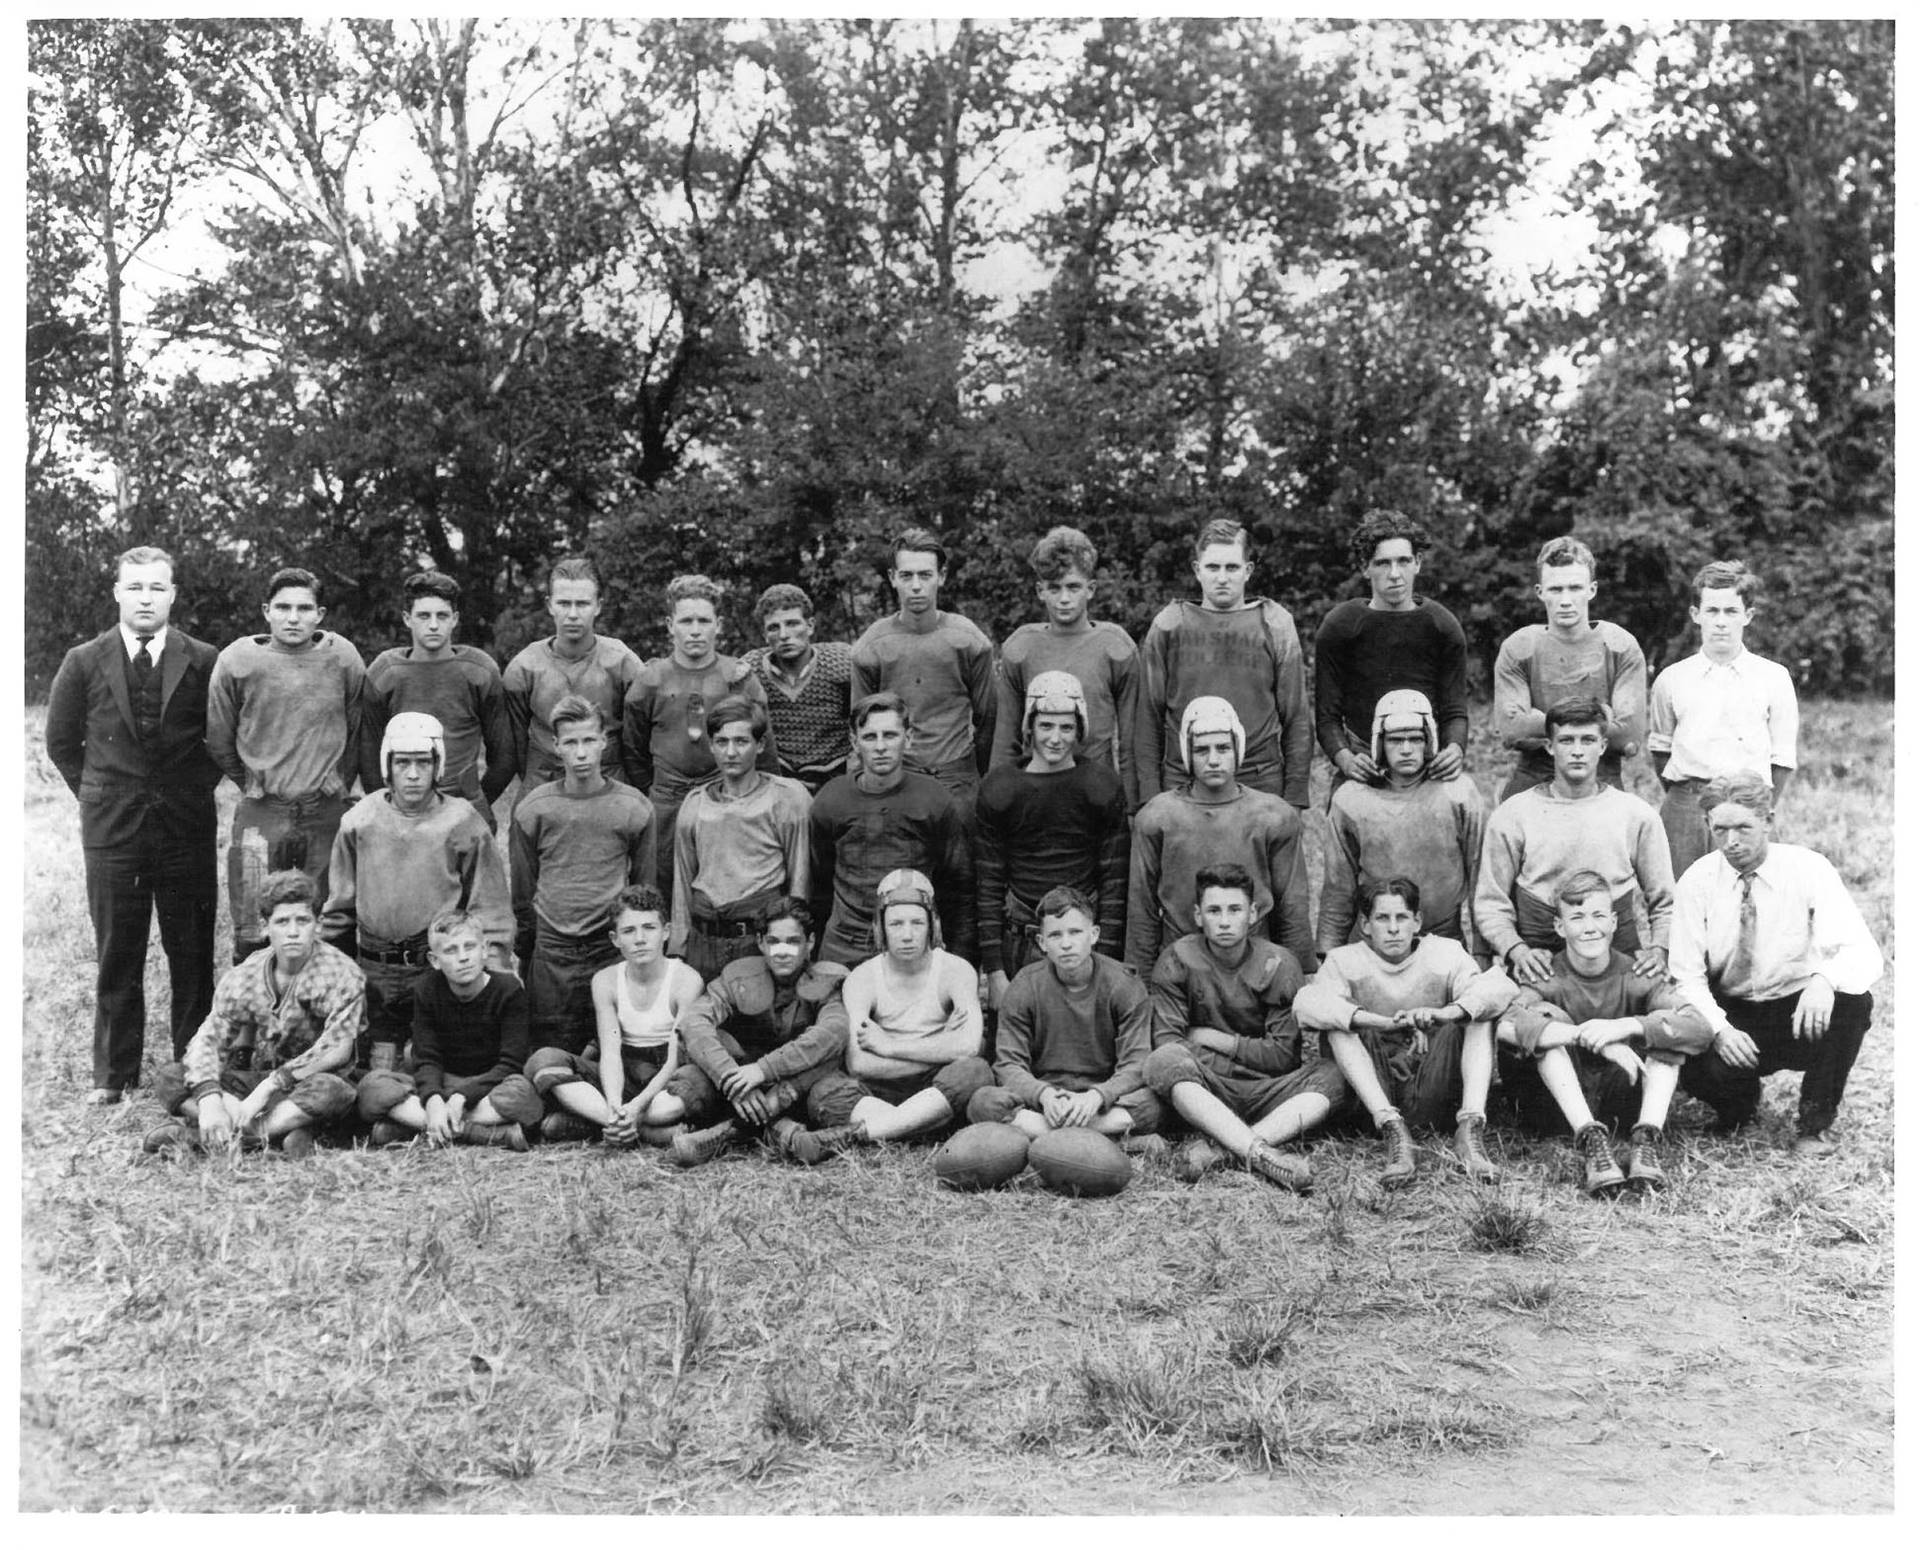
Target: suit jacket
x,y
94,741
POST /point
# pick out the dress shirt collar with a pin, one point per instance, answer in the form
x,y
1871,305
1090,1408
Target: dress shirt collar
x,y
132,642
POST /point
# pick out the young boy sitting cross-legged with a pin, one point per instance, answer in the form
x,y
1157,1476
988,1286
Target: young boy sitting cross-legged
x,y
637,1006
464,1080
913,1058
1227,1053
1075,1030
1595,1030
1390,1008
271,1060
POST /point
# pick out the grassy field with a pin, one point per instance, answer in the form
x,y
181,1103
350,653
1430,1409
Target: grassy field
x,y
580,1331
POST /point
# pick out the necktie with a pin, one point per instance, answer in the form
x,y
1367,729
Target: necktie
x,y
1737,977
143,660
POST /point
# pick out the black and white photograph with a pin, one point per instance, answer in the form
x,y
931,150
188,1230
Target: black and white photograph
x,y
1078,767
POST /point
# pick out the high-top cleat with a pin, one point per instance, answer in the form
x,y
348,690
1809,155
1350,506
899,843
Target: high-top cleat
x,y
693,1147
1399,1169
298,1145
1469,1145
173,1136
1603,1172
1196,1160
1282,1168
386,1132
813,1147
562,1126
1643,1159
506,1134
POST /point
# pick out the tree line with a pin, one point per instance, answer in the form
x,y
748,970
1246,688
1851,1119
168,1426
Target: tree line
x,y
743,297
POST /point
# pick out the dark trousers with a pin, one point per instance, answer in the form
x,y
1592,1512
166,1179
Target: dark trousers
x,y
1734,1094
174,876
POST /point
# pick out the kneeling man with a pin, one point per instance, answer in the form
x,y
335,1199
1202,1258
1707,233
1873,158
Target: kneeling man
x,y
1771,949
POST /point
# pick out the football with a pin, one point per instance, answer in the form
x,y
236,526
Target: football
x,y
1080,1162
981,1157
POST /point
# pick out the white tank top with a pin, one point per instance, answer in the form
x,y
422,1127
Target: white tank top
x,y
644,1027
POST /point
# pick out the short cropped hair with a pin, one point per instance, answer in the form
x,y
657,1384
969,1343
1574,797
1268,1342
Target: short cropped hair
x,y
1582,712
921,540
455,922
142,554
640,898
781,596
1057,901
703,588
574,567
1564,550
1727,574
870,705
431,583
737,707
293,576
1376,527
1060,550
1223,530
1749,788
1374,889
786,908
572,708
1226,874
289,887
1583,884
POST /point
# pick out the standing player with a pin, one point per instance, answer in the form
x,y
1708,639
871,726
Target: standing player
x,y
1053,822
573,661
459,686
283,719
1099,654
576,843
1210,821
126,729
1394,639
941,666
1568,658
880,819
1244,651
807,687
740,843
665,742
1719,712
405,855
1539,838
1407,823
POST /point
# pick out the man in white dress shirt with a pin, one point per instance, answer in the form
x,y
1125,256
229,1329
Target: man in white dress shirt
x,y
1719,711
1770,947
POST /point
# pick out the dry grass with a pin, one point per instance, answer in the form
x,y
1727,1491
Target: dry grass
x,y
572,1330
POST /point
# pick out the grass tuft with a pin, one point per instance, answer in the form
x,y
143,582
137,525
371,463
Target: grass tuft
x,y
1502,1224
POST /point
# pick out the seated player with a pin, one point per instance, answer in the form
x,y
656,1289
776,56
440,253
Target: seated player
x,y
1075,1029
463,1081
757,1039
1391,1007
405,854
1054,821
1595,1030
1770,948
1210,820
913,1058
1408,822
637,1005
271,1061
1227,1054
1538,837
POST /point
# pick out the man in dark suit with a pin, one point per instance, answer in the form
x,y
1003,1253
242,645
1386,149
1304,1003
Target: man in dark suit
x,y
126,728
